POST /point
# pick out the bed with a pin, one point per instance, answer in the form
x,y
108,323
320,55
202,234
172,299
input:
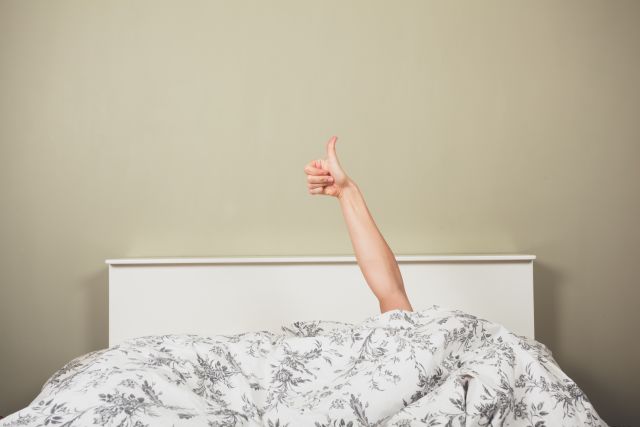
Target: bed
x,y
297,341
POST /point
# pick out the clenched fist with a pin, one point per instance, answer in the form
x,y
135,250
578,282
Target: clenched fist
x,y
326,176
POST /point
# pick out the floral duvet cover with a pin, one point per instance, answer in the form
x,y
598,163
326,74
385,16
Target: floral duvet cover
x,y
434,367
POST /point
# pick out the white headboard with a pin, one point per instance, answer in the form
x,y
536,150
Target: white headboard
x,y
230,295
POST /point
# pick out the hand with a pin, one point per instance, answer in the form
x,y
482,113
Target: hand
x,y
326,176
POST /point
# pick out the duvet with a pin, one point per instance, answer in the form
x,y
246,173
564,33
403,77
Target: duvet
x,y
434,367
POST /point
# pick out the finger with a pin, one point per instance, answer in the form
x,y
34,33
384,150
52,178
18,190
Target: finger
x,y
312,170
313,179
331,148
318,164
317,185
318,190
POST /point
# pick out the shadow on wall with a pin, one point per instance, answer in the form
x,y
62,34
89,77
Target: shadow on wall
x,y
96,288
545,292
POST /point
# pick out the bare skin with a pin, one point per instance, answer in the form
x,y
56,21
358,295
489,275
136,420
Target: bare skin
x,y
375,258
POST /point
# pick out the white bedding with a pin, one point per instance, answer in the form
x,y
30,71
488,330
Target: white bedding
x,y
435,367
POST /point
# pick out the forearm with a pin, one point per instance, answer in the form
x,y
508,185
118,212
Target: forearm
x,y
375,258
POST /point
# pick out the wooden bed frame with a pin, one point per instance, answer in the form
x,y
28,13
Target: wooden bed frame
x,y
209,296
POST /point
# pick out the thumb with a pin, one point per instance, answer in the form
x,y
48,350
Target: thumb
x,y
331,148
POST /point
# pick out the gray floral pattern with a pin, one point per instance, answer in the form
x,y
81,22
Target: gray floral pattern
x,y
434,367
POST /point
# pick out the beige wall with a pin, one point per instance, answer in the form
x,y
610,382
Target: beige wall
x,y
173,129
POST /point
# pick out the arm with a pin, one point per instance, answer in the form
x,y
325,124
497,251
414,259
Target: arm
x,y
376,261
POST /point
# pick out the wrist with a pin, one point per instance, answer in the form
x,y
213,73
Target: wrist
x,y
348,190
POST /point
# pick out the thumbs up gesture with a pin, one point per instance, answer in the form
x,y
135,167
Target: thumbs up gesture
x,y
326,176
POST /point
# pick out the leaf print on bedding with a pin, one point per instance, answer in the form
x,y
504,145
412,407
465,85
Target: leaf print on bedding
x,y
211,375
122,406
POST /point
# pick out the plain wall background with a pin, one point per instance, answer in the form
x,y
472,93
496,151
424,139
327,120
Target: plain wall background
x,y
133,129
